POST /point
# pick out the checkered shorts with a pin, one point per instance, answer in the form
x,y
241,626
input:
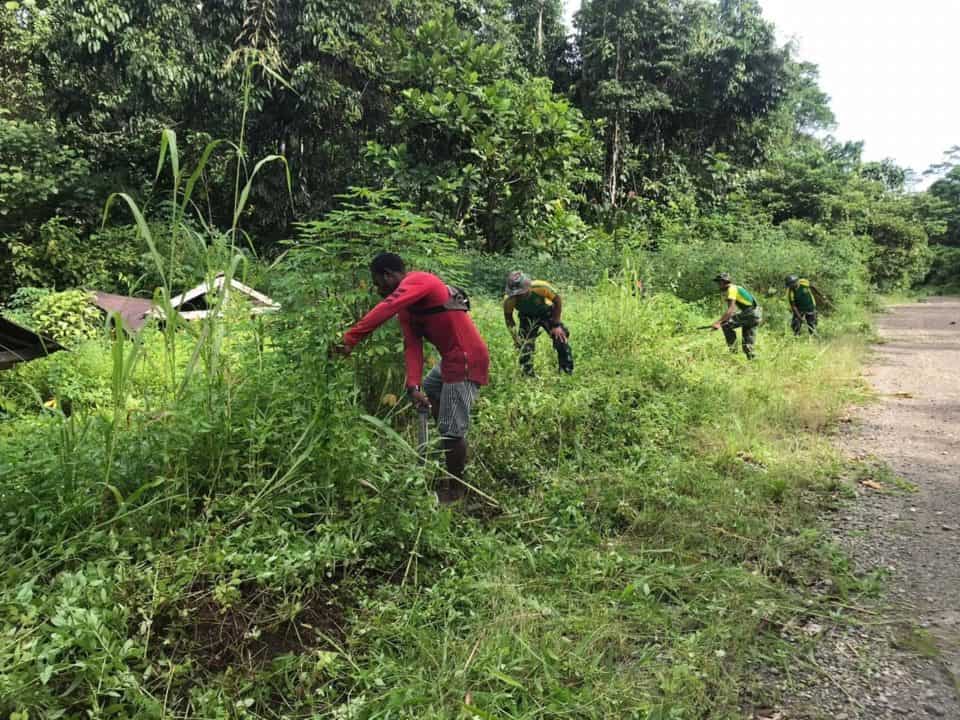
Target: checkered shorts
x,y
454,401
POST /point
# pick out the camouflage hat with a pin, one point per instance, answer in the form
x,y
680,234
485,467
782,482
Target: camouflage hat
x,y
517,283
791,280
723,277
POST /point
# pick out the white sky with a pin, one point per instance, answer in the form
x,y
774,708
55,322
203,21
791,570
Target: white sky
x,y
891,68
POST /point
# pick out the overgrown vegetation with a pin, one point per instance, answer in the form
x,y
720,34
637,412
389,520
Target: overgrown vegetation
x,y
215,520
656,123
255,544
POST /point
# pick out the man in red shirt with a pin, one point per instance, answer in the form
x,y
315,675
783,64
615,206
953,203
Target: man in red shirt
x,y
422,304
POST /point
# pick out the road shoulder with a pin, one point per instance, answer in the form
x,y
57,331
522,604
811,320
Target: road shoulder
x,y
901,658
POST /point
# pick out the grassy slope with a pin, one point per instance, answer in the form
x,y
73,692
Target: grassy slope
x,y
658,546
654,542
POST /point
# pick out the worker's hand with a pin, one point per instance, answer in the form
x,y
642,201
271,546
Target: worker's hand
x,y
717,325
558,334
339,350
418,398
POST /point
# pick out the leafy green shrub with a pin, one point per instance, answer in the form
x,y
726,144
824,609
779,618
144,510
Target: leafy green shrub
x,y
75,381
487,272
68,317
684,259
41,178
64,254
902,255
497,159
945,267
326,283
558,230
37,172
761,261
368,221
840,265
19,306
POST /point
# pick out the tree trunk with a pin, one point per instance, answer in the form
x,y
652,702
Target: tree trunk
x,y
540,57
614,134
613,160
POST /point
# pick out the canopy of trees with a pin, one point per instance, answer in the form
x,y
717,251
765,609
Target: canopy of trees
x,y
483,115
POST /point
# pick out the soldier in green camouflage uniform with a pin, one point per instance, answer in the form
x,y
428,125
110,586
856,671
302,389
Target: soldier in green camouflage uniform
x,y
803,304
539,306
743,312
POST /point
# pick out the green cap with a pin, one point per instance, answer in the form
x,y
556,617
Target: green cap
x,y
723,277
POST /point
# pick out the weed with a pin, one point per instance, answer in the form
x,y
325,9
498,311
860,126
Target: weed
x,y
916,640
654,530
235,526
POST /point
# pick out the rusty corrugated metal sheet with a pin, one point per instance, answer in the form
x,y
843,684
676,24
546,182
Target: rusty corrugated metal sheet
x,y
134,311
18,344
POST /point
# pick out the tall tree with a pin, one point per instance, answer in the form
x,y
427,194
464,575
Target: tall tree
x,y
677,79
112,74
541,34
493,154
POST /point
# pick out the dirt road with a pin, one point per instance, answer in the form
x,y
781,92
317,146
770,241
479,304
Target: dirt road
x,y
906,663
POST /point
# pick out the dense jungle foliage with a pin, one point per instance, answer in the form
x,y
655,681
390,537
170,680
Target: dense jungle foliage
x,y
214,519
657,123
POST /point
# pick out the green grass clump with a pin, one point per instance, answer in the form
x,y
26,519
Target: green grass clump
x,y
260,541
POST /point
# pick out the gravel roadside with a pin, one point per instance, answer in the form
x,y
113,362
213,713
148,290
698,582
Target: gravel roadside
x,y
905,661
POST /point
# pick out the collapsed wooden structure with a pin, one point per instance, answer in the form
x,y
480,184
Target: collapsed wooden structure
x,y
194,304
19,344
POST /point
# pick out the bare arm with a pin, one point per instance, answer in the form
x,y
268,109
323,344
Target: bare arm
x,y
555,330
731,311
508,308
557,310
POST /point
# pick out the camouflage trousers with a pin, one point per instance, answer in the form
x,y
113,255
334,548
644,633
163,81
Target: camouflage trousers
x,y
530,327
797,322
748,321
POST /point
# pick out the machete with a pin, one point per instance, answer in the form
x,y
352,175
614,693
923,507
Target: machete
x,y
423,429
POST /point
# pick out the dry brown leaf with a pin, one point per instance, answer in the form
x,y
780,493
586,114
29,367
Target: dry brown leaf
x,y
902,395
872,484
468,698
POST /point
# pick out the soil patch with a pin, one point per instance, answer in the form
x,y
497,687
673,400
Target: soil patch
x,y
252,628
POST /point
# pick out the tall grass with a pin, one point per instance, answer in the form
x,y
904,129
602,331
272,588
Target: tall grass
x,y
234,526
261,550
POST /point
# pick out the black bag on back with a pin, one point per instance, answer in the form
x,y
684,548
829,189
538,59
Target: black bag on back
x,y
458,301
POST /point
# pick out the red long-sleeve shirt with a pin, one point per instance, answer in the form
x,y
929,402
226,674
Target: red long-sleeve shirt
x,y
463,352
